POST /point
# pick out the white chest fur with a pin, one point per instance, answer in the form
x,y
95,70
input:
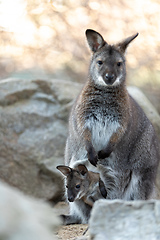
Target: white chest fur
x,y
101,131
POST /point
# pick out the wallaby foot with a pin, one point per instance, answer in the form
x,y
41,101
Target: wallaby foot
x,y
70,219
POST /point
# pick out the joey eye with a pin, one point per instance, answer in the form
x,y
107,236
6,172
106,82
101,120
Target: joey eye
x,y
77,186
99,62
66,186
119,64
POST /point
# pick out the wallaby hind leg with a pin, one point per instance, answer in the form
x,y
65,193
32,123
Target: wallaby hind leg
x,y
70,219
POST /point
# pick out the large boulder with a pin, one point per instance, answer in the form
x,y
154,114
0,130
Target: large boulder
x,y
26,218
123,220
33,131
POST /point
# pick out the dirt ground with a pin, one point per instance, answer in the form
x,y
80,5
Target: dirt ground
x,y
70,232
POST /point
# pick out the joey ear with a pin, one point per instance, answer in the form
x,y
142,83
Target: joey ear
x,y
65,170
95,40
82,169
122,46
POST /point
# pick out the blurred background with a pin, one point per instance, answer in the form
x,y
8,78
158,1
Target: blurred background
x,y
43,39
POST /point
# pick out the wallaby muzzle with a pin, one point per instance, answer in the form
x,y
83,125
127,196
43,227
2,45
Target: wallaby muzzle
x,y
71,195
71,199
109,78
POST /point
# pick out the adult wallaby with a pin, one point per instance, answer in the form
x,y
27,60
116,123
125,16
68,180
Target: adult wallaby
x,y
83,186
107,126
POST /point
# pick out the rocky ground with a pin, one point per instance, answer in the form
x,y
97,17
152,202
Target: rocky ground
x,y
70,232
22,215
115,220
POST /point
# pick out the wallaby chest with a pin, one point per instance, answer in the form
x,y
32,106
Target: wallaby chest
x,y
101,129
102,115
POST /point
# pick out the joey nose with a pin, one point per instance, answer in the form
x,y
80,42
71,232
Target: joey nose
x,y
71,199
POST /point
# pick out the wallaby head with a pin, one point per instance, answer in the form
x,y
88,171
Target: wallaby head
x,y
76,181
107,66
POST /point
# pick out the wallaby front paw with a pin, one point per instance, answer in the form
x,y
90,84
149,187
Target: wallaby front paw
x,y
103,154
69,219
93,159
92,156
102,188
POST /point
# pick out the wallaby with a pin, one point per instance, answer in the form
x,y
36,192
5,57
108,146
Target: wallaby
x,y
84,186
107,126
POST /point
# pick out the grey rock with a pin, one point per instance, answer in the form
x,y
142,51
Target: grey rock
x,y
120,220
26,218
33,131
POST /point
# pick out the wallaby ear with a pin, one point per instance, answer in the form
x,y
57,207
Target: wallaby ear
x,y
95,40
102,188
122,46
82,169
65,170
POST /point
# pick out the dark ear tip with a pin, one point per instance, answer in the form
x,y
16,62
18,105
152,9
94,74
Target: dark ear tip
x,y
136,34
89,31
59,166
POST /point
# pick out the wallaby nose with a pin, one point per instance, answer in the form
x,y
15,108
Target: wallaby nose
x,y
109,77
71,199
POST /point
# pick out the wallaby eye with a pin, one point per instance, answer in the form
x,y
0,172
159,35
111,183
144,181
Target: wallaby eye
x,y
99,62
119,64
77,186
66,186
